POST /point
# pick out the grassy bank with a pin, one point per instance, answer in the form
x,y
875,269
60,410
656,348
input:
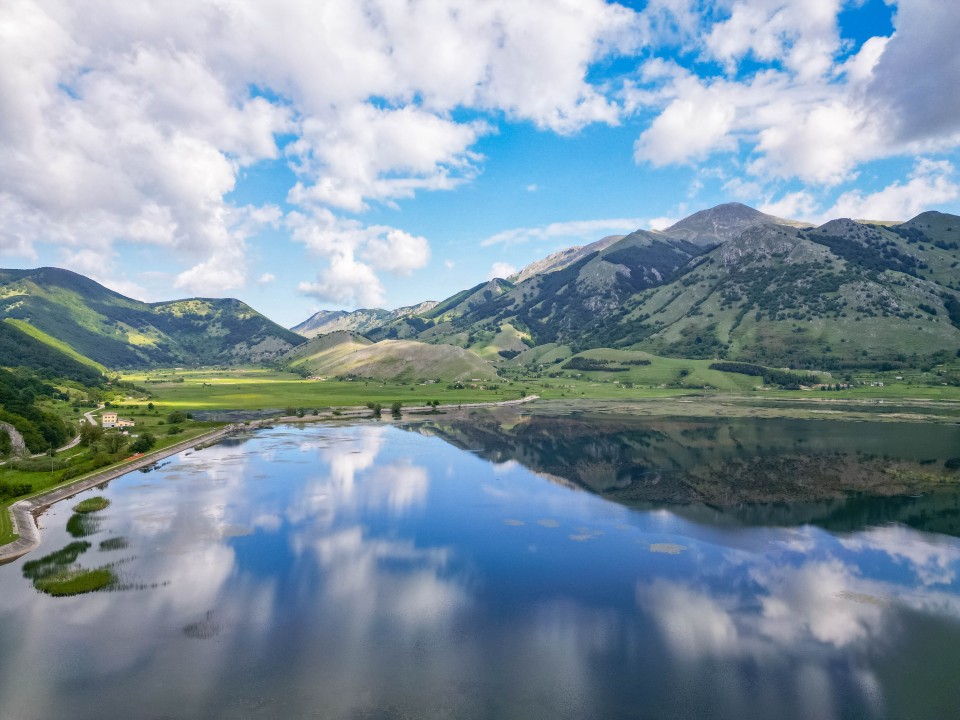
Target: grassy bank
x,y
42,482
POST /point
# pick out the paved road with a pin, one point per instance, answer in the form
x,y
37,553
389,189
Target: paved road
x,y
76,441
73,443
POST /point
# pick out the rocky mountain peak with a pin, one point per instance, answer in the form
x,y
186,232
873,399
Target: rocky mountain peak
x,y
721,223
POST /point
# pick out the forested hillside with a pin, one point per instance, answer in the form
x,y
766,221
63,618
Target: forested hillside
x,y
117,331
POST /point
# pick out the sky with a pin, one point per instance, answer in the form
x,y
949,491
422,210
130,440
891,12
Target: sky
x,y
335,154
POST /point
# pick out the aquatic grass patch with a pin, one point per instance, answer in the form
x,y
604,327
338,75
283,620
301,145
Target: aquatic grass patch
x,y
49,564
91,505
82,525
76,581
56,574
205,629
114,543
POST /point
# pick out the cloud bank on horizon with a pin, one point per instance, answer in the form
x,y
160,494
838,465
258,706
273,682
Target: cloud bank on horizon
x,y
140,124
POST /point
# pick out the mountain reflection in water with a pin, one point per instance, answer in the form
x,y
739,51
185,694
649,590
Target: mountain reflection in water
x,y
837,474
366,571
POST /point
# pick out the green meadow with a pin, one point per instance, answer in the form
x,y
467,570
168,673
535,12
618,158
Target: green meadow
x,y
259,389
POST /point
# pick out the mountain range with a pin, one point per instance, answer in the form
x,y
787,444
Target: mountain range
x,y
728,283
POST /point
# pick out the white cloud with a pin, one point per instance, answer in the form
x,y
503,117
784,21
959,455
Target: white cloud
x,y
346,282
795,100
353,252
266,278
576,230
130,123
397,252
690,127
661,223
797,205
532,187
501,270
376,154
803,34
930,183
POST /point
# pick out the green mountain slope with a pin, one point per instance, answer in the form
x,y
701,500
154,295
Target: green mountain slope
x,y
555,307
729,282
18,349
842,295
117,331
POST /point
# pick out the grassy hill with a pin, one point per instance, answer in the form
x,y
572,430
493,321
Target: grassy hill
x,y
75,314
44,356
345,354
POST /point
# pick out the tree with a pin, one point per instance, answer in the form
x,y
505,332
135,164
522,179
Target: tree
x,y
176,417
113,442
395,408
143,443
90,434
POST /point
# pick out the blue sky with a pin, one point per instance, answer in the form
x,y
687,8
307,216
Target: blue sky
x,y
344,154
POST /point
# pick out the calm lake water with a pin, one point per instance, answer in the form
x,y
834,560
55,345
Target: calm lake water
x,y
375,571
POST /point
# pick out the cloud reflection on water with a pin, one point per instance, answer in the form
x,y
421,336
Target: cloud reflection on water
x,y
377,578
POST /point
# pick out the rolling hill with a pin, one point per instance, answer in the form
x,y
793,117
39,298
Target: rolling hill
x,y
346,354
101,327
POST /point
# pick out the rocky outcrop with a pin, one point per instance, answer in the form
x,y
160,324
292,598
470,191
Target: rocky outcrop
x,y
17,445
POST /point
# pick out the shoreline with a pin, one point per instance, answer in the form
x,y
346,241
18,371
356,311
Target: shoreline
x,y
25,513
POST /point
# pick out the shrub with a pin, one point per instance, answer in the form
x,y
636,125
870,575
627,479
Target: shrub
x,y
12,490
143,443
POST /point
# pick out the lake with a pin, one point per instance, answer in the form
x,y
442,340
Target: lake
x,y
510,565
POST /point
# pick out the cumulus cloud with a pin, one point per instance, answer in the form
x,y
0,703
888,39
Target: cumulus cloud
x,y
501,270
794,100
396,251
693,125
803,34
131,123
353,252
931,182
917,72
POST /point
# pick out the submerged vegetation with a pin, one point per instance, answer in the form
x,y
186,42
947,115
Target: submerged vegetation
x,y
57,574
82,525
91,505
